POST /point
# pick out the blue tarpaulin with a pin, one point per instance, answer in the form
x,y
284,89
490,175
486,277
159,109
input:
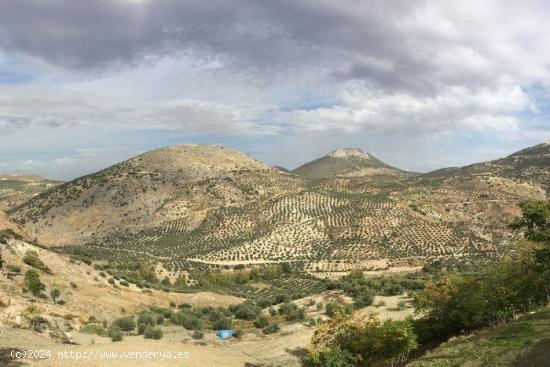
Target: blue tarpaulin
x,y
224,334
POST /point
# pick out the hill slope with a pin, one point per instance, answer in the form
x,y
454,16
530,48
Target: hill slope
x,y
528,165
524,342
200,206
180,182
16,189
347,162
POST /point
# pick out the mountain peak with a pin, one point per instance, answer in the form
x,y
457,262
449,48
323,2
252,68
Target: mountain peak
x,y
349,153
347,162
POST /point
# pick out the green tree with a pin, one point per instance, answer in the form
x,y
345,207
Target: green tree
x,y
54,293
31,283
534,221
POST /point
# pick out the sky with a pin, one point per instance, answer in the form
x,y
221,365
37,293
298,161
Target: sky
x,y
420,84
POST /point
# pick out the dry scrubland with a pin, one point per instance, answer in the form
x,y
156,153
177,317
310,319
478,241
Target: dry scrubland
x,y
92,296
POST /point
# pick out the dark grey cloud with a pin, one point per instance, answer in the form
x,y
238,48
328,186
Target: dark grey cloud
x,y
261,35
396,45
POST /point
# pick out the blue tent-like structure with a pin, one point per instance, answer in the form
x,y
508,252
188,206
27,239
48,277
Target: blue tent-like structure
x,y
224,334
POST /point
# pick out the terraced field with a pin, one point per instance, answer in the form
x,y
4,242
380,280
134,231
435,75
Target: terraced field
x,y
329,226
192,208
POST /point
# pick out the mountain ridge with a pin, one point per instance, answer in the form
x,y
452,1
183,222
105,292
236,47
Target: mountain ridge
x,y
347,162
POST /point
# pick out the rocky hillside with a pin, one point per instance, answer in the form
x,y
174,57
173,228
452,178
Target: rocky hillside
x,y
193,207
348,162
182,182
531,165
16,189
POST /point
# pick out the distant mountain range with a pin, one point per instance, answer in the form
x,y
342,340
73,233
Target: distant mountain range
x,y
200,205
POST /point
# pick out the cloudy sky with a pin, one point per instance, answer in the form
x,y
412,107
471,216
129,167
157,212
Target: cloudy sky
x,y
420,84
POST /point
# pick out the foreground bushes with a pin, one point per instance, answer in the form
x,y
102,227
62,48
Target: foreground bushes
x,y
345,341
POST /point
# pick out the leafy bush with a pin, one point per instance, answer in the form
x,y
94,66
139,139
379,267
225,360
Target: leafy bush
x,y
245,311
14,268
126,323
147,318
93,329
115,333
291,312
191,322
223,323
6,234
197,334
31,258
271,329
334,309
351,341
261,322
152,333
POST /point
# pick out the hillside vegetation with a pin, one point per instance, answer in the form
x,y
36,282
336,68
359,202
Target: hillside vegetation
x,y
524,342
191,208
16,189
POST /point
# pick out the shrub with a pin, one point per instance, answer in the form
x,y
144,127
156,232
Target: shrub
x,y
223,323
126,323
160,319
14,268
115,333
141,328
261,322
245,311
31,258
352,342
31,283
191,322
124,283
146,318
336,309
197,334
152,333
292,312
238,333
93,329
271,329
